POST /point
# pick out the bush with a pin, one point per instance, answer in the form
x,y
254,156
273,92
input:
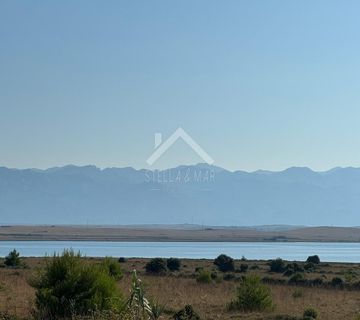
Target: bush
x,y
277,265
122,260
224,263
112,268
69,286
317,282
13,259
156,265
337,282
244,267
229,277
313,259
187,313
295,267
173,264
297,278
288,273
310,313
214,275
309,266
292,268
204,277
252,295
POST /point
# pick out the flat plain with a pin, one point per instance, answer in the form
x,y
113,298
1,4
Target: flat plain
x,y
163,233
176,289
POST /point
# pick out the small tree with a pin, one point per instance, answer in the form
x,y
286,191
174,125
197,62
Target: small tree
x,y
173,264
70,286
252,295
13,259
224,263
313,259
156,265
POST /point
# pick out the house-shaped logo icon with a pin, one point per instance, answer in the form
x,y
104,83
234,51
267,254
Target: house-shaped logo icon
x,y
161,148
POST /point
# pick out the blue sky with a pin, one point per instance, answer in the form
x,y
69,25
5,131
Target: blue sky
x,y
258,84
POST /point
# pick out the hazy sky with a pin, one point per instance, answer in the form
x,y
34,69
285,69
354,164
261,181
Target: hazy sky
x,y
258,84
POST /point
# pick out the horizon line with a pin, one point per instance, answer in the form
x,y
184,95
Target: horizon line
x,y
178,166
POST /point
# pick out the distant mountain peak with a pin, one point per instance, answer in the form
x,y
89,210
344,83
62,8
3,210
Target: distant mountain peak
x,y
87,194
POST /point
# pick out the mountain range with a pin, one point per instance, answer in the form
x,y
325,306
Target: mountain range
x,y
197,194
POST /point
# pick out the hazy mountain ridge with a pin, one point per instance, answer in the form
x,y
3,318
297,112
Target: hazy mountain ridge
x,y
80,195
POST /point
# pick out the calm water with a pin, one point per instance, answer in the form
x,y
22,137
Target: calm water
x,y
336,252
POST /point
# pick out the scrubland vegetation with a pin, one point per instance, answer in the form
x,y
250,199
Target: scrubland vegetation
x,y
73,287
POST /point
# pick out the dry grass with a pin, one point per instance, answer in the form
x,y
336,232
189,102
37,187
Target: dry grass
x,y
209,300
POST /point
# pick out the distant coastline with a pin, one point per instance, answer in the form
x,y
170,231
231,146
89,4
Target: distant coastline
x,y
176,233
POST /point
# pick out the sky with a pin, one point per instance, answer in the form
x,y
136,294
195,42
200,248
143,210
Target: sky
x,y
257,84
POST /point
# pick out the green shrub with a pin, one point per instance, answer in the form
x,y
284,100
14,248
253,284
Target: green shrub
x,y
349,275
244,267
224,263
70,286
288,273
204,277
122,260
309,266
187,313
313,259
229,277
296,278
310,313
292,268
157,310
214,275
13,259
317,282
252,295
337,282
295,267
173,264
112,267
156,265
277,265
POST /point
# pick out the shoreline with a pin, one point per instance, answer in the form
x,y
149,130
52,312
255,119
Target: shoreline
x,y
156,234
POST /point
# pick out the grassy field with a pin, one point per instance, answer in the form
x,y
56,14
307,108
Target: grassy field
x,y
176,289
